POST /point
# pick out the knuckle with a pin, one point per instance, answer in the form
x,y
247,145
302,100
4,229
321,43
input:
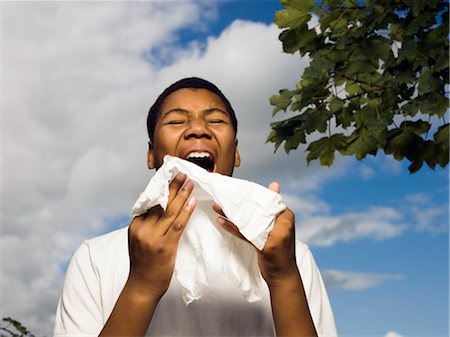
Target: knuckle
x,y
134,224
288,215
177,225
169,214
187,187
137,235
159,248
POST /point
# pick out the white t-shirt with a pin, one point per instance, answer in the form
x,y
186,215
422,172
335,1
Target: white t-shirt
x,y
98,272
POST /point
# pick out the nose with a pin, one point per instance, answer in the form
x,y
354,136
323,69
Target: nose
x,y
198,128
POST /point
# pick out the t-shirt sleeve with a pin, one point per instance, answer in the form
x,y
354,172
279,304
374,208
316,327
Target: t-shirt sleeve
x,y
316,293
79,311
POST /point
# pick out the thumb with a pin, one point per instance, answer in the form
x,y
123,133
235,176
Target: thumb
x,y
274,186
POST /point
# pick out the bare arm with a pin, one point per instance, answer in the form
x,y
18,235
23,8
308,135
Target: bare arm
x,y
278,266
279,269
153,241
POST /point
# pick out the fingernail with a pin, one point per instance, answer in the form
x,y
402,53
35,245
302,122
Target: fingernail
x,y
187,184
221,220
191,203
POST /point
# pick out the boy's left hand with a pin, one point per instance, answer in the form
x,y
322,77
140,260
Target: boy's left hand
x,y
277,259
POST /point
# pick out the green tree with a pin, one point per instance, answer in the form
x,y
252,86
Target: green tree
x,y
377,79
12,328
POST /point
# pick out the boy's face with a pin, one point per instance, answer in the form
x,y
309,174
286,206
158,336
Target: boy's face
x,y
193,124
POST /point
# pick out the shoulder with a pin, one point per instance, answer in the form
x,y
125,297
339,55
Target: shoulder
x,y
114,238
302,251
105,249
307,265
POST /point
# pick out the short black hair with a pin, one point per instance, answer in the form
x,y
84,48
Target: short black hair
x,y
186,83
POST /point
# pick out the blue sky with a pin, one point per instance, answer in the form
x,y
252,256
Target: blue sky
x,y
73,116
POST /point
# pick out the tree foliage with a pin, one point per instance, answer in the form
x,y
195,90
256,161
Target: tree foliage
x,y
12,328
376,80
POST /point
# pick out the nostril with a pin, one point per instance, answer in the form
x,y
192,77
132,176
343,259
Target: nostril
x,y
197,131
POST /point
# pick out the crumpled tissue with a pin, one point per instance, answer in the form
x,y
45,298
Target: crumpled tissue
x,y
206,249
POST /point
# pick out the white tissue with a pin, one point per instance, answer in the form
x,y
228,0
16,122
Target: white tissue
x,y
205,249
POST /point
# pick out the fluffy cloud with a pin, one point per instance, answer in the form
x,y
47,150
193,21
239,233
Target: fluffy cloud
x,y
316,225
427,215
325,230
392,334
350,280
383,163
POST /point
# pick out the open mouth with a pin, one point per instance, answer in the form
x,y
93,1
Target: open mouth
x,y
202,159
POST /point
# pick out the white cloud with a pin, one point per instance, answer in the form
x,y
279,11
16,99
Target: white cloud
x,y
433,219
350,280
305,206
367,172
373,165
427,215
392,334
379,223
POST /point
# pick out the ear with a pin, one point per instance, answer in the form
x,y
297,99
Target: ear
x,y
237,156
150,156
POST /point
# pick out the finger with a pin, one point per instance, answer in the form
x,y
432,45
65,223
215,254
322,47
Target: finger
x,y
135,222
143,221
218,209
274,186
175,207
230,227
153,214
176,184
179,224
284,228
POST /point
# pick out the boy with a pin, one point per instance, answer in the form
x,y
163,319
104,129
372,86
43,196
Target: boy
x,y
119,284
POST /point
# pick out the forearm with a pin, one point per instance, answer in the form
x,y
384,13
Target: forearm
x,y
132,313
290,308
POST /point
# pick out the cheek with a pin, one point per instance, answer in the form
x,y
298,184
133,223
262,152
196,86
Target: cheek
x,y
164,143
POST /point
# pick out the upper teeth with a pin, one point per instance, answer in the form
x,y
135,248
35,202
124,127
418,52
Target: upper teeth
x,y
198,155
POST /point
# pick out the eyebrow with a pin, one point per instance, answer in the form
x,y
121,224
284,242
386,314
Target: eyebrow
x,y
184,111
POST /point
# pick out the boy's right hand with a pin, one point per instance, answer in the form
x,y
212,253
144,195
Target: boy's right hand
x,y
153,239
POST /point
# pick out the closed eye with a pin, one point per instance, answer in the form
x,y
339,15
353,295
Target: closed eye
x,y
216,121
175,122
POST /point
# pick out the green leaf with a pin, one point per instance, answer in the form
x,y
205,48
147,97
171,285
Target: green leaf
x,y
284,130
427,83
295,16
293,141
352,88
344,117
402,143
410,109
322,149
316,119
426,151
300,38
281,101
433,103
417,127
291,18
299,5
336,104
441,137
360,144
